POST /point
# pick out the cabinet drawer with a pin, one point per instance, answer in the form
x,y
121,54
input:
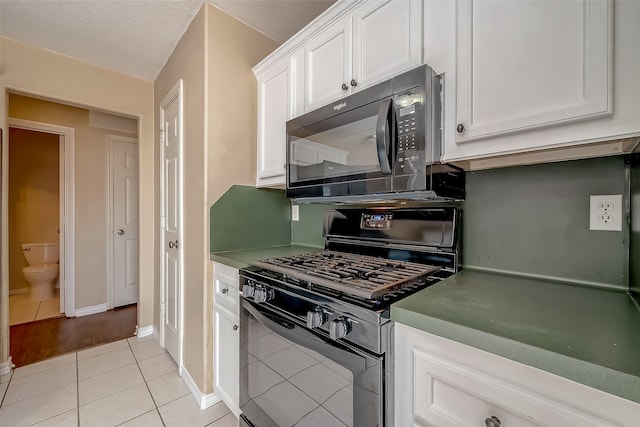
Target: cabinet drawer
x,y
225,285
448,394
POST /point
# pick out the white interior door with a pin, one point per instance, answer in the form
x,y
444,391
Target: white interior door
x,y
124,205
171,221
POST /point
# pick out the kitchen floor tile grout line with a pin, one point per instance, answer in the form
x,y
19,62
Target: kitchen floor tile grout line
x,y
147,385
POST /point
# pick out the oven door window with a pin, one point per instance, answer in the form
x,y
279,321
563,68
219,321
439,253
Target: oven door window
x,y
344,146
291,376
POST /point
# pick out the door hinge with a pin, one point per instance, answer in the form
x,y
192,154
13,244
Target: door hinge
x,y
161,310
162,222
161,135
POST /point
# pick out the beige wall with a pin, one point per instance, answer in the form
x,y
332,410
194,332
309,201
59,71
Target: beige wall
x,y
34,196
36,71
214,58
232,105
91,152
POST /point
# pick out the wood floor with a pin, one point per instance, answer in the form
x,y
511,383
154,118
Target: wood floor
x,y
35,341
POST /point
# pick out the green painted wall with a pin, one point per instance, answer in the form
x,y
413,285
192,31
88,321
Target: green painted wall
x,y
535,220
308,231
528,220
246,218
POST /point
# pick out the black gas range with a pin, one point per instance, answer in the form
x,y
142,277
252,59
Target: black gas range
x,y
335,305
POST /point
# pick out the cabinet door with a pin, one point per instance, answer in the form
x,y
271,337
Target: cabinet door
x,y
529,64
387,39
275,106
226,356
328,65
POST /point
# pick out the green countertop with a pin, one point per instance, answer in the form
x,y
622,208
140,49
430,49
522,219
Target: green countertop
x,y
588,335
242,258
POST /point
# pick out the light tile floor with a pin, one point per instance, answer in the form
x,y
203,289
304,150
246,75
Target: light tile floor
x,y
131,382
23,309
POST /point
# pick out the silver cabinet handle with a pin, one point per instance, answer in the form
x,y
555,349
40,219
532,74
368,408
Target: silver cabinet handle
x,y
344,86
120,232
460,128
235,327
225,290
354,83
492,422
173,245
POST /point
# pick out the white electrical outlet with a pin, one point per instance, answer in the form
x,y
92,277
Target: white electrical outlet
x,y
605,212
295,213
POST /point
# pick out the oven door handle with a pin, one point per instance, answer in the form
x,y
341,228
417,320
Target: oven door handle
x,y
298,334
384,129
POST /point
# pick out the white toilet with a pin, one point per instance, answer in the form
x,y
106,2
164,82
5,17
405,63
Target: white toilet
x,y
43,268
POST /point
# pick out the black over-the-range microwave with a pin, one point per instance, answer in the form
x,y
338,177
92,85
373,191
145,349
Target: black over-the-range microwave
x,y
383,142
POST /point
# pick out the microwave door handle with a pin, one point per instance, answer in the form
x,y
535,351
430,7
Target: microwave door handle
x,y
383,135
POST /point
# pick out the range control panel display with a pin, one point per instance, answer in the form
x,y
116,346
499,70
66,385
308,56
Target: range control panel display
x,y
375,221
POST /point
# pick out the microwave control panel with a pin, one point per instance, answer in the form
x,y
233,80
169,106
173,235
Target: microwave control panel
x,y
409,145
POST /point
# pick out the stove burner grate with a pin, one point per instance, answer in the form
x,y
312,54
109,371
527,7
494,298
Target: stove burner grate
x,y
352,274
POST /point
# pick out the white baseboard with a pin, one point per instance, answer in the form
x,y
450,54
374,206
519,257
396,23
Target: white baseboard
x,y
145,331
6,367
86,311
18,291
203,400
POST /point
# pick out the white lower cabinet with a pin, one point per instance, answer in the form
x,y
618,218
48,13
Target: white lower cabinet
x,y
226,338
443,383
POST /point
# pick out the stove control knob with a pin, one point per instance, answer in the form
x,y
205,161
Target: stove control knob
x,y
316,318
339,328
248,289
262,294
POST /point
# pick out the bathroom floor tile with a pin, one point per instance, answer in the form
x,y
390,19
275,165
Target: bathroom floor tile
x,y
117,408
32,385
49,308
39,408
20,299
186,412
23,313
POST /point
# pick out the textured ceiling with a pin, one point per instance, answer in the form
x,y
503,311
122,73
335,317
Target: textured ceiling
x,y
137,36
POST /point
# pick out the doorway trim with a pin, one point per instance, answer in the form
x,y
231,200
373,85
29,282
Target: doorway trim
x,y
67,205
176,92
111,140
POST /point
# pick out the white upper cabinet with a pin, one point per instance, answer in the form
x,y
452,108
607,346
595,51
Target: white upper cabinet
x,y
529,64
387,39
535,75
276,105
327,65
379,39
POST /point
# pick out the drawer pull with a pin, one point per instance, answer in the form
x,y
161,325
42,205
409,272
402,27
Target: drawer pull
x,y
235,327
225,290
493,422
